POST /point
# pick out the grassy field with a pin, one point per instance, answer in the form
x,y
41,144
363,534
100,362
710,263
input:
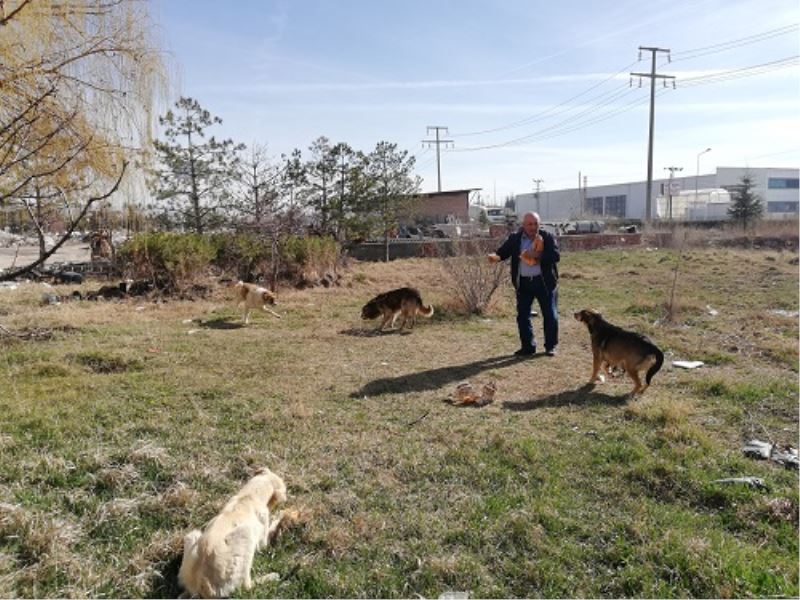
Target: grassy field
x,y
123,426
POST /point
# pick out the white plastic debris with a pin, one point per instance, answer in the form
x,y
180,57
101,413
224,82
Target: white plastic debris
x,y
687,364
755,482
193,331
788,457
791,314
712,311
187,321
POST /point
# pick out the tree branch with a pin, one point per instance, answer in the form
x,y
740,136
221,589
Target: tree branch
x,y
67,233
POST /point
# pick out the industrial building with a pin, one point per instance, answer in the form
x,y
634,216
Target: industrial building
x,y
690,197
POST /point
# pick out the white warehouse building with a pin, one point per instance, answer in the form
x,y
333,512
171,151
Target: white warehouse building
x,y
778,189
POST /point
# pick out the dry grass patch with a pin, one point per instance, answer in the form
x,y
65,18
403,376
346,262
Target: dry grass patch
x,y
556,489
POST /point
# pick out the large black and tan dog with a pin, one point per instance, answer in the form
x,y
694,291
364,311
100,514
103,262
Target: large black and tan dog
x,y
612,346
405,301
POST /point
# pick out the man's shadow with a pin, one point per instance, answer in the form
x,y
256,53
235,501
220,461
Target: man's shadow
x,y
434,379
586,395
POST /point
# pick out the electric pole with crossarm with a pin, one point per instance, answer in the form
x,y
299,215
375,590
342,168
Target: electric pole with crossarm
x,y
438,143
652,75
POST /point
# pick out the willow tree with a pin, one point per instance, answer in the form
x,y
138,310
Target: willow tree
x,y
78,84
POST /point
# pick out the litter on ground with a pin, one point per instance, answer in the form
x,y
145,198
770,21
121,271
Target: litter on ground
x,y
787,457
687,364
754,482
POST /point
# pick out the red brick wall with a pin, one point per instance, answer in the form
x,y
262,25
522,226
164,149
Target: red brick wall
x,y
437,207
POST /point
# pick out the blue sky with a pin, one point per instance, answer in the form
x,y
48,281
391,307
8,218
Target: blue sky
x,y
527,89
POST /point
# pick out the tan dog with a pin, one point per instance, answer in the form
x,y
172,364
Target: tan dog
x,y
612,346
253,296
219,559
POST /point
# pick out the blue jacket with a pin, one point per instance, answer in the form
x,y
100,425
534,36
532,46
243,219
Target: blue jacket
x,y
548,261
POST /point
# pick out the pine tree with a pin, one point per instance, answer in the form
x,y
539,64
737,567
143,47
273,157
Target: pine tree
x,y
196,175
746,207
393,188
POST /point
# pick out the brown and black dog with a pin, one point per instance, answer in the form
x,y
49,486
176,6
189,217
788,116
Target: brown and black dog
x,y
612,346
406,301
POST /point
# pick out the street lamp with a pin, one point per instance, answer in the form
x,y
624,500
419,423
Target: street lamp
x,y
697,173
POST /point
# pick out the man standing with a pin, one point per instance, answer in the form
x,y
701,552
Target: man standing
x,y
534,274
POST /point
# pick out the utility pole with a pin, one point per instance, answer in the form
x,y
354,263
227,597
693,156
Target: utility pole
x,y
669,189
438,142
536,194
583,193
652,75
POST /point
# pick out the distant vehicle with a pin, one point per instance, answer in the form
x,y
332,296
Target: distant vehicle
x,y
497,214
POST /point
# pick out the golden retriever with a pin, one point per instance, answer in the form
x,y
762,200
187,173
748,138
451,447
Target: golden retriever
x,y
219,559
253,296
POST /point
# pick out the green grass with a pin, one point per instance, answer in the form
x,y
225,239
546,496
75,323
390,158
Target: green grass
x,y
121,434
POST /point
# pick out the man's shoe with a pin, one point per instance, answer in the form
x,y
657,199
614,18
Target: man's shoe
x,y
525,352
550,352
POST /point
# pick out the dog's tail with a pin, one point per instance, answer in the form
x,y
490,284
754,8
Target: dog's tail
x,y
656,366
425,311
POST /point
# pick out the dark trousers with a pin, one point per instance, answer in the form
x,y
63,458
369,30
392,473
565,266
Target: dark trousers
x,y
530,288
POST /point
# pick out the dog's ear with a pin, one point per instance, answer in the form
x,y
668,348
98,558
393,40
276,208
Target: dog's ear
x,y
268,297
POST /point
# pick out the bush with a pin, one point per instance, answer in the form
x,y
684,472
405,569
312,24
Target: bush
x,y
474,279
247,254
171,261
308,259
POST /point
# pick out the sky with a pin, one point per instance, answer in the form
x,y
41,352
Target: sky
x,y
527,89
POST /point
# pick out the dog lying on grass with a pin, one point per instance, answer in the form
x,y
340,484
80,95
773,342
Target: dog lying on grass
x,y
406,301
253,296
612,346
219,559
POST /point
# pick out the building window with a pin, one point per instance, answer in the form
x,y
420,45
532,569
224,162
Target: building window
x,y
783,183
594,206
782,207
615,206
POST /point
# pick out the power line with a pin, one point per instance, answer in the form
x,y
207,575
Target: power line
x,y
616,95
780,63
692,53
553,131
539,115
737,43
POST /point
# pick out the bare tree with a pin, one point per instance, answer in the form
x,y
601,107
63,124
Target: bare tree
x,y
473,279
258,196
79,79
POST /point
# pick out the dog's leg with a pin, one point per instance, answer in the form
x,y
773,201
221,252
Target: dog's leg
x,y
596,362
386,318
272,532
637,388
272,312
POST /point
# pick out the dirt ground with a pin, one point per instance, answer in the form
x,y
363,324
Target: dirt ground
x,y
71,251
